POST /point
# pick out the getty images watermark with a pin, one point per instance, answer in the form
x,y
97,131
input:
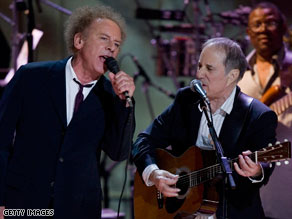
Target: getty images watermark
x,y
28,212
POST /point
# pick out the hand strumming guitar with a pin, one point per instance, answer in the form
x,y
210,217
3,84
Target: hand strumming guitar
x,y
163,180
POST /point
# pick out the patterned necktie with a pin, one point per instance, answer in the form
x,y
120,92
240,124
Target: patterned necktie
x,y
79,96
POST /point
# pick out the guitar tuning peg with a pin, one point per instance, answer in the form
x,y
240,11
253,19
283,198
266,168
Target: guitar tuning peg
x,y
286,162
270,144
278,163
285,140
277,142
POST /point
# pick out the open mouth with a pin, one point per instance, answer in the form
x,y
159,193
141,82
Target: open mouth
x,y
103,58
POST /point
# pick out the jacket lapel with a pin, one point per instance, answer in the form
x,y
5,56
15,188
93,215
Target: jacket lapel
x,y
57,89
195,119
234,123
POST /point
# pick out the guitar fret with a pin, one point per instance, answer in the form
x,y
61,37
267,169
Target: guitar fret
x,y
286,102
203,175
283,104
191,179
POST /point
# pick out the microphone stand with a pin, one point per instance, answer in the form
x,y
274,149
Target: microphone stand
x,y
30,27
147,82
227,172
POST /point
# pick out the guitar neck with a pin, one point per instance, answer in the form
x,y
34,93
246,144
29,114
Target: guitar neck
x,y
201,176
273,153
282,104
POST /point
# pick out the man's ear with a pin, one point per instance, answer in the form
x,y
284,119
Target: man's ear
x,y
78,41
233,76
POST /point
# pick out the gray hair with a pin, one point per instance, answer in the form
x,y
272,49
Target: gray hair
x,y
234,57
82,18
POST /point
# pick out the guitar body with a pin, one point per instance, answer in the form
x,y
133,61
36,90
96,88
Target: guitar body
x,y
189,200
197,181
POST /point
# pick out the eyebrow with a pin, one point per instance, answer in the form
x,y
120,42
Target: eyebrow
x,y
209,66
104,34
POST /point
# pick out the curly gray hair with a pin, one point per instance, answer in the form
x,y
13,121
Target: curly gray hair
x,y
82,17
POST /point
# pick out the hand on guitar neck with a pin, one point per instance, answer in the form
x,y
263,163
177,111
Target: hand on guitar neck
x,y
247,167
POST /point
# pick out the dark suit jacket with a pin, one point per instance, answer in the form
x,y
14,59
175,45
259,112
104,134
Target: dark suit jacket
x,y
47,158
178,126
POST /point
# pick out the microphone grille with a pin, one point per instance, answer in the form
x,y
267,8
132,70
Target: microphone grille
x,y
194,83
112,65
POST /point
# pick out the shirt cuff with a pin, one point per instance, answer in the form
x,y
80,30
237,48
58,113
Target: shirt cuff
x,y
147,172
253,180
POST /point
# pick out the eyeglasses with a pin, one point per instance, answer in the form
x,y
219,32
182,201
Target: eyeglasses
x,y
270,25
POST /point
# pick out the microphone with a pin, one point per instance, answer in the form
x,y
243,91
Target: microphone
x,y
113,66
140,68
196,86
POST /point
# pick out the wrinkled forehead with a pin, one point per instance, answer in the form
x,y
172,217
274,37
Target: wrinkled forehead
x,y
216,51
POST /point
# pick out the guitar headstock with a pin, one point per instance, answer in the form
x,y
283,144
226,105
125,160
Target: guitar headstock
x,y
275,153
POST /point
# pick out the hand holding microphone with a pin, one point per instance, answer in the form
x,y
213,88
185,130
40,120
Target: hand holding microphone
x,y
123,84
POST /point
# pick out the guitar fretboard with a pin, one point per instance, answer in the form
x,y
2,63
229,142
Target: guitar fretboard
x,y
203,175
282,104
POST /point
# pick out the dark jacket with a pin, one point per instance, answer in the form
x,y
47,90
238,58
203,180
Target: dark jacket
x,y
48,160
245,128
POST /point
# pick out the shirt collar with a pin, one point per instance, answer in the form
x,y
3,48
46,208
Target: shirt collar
x,y
72,73
278,57
227,106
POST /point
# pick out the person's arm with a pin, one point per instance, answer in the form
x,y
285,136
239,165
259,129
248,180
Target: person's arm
x,y
158,135
119,119
121,83
262,132
10,108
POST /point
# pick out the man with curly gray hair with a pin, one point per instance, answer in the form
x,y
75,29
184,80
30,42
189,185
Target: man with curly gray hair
x,y
56,117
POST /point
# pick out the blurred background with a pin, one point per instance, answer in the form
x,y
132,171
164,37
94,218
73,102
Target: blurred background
x,y
164,38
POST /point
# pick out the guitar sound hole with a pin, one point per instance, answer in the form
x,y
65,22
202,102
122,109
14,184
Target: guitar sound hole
x,y
183,183
173,204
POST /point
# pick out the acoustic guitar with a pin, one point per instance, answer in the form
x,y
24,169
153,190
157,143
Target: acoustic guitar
x,y
194,182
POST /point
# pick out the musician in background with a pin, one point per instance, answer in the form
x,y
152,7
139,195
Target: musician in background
x,y
269,79
242,123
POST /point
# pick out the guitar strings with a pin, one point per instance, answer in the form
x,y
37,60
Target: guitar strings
x,y
200,176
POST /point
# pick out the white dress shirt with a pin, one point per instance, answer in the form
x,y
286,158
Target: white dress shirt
x,y
72,89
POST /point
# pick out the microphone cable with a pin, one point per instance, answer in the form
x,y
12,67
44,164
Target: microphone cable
x,y
130,121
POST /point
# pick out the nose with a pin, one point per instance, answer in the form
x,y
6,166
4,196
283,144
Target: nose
x,y
111,46
200,74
